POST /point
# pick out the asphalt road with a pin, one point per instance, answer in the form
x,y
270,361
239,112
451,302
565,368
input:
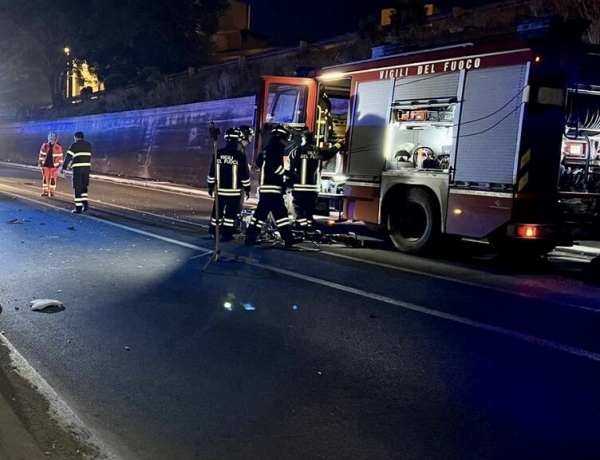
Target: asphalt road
x,y
338,354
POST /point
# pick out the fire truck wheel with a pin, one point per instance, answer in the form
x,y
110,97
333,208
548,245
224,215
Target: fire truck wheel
x,y
375,228
414,224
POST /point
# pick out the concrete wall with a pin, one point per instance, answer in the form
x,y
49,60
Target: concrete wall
x,y
165,144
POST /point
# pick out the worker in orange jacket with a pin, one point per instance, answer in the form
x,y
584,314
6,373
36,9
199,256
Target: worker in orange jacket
x,y
49,160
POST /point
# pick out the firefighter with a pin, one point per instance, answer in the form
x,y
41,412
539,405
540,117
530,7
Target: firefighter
x,y
247,136
228,177
325,124
79,158
49,160
272,171
305,166
246,139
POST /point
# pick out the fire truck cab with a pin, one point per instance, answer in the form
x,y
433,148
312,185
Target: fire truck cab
x,y
495,139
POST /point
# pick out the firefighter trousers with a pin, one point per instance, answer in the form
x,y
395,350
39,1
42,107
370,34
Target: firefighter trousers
x,y
229,209
270,203
81,181
304,207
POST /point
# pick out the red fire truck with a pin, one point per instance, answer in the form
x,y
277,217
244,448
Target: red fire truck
x,y
495,139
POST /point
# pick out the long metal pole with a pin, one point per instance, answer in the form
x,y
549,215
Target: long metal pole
x,y
217,214
217,251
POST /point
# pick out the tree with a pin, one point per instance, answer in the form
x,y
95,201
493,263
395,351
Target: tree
x,y
125,37
574,9
408,14
113,36
369,28
35,33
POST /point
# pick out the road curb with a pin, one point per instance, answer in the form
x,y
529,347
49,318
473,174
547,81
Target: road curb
x,y
16,443
589,251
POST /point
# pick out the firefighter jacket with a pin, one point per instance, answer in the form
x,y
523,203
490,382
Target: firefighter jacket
x,y
79,155
231,172
51,155
272,168
305,165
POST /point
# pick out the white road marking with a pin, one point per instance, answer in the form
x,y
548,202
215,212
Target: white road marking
x,y
406,305
380,298
438,314
58,408
457,281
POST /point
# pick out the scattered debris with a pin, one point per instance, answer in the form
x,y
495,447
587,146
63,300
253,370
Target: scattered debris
x,y
40,304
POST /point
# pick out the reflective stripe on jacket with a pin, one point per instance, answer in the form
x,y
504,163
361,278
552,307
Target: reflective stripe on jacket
x,y
231,172
79,154
272,168
57,154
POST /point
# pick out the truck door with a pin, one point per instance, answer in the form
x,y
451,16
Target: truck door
x,y
289,101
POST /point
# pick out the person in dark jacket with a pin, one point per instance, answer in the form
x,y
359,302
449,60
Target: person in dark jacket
x,y
272,170
79,159
228,176
305,165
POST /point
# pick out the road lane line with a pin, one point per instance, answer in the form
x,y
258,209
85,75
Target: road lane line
x,y
406,305
332,254
59,410
438,314
459,281
105,203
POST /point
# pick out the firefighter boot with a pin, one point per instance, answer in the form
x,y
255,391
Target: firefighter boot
x,y
251,237
292,241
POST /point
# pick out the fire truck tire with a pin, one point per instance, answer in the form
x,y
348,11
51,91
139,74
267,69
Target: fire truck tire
x,y
414,224
375,228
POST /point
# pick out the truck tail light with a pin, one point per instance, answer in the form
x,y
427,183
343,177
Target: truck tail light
x,y
527,231
532,231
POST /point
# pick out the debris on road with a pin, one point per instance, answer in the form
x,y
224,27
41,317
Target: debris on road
x,y
40,304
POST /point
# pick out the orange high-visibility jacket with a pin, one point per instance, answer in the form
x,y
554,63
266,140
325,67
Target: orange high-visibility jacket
x,y
57,154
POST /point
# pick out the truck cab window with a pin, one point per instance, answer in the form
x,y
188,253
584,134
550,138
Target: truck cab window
x,y
287,104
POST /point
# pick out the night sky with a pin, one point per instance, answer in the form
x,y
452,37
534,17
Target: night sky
x,y
289,22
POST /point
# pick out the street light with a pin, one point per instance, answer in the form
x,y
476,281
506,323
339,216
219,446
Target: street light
x,y
67,51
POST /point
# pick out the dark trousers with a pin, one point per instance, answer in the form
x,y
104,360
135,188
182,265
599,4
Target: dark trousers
x,y
270,203
81,181
229,209
304,206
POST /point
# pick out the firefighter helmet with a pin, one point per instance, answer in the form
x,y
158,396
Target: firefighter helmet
x,y
233,134
281,132
309,137
247,132
325,102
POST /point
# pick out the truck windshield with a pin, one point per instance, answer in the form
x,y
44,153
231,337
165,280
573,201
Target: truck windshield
x,y
287,103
